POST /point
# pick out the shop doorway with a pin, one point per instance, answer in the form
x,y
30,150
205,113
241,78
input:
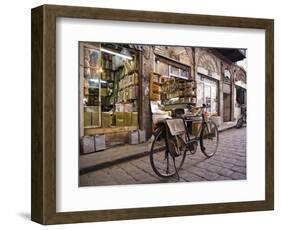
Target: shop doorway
x,y
207,93
226,107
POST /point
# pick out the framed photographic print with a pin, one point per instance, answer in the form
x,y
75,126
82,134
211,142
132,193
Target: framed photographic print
x,y
139,114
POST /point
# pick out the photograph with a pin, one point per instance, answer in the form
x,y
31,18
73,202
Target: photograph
x,y
158,113
142,114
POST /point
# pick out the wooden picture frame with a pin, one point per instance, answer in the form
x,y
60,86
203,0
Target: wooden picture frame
x,y
43,208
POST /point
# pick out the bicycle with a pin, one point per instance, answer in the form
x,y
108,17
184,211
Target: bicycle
x,y
160,155
243,118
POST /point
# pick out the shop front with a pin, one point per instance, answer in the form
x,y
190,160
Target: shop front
x,y
240,94
207,93
109,92
125,89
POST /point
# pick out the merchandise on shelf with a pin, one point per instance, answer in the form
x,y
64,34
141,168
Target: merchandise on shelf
x,y
106,119
95,119
119,116
87,118
134,118
127,118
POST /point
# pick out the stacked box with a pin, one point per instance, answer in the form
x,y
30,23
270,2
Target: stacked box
x,y
126,94
90,144
136,90
136,79
106,119
99,142
119,118
95,119
135,118
87,118
131,80
141,136
136,137
87,145
128,107
119,107
127,118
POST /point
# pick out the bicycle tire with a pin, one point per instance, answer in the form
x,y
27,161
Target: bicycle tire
x,y
239,123
209,141
155,162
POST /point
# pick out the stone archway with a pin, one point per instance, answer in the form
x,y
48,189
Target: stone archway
x,y
208,62
240,75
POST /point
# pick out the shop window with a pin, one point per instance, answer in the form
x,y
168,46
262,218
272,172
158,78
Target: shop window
x,y
110,93
171,84
207,93
170,68
162,68
241,95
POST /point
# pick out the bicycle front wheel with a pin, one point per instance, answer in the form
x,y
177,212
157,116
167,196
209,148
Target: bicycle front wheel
x,y
209,139
160,158
239,123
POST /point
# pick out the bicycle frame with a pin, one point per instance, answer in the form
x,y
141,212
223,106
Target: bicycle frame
x,y
202,123
185,120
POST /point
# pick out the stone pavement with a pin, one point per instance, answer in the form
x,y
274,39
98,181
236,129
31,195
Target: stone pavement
x,y
229,163
120,154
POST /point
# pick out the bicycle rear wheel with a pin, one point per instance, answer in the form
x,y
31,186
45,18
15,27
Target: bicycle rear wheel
x,y
160,158
209,139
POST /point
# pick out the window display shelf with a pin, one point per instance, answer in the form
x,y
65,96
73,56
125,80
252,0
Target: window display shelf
x,y
88,130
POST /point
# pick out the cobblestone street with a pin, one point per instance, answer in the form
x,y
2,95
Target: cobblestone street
x,y
229,163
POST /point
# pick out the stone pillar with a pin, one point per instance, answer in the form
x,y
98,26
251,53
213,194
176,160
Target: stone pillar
x,y
220,96
147,68
232,99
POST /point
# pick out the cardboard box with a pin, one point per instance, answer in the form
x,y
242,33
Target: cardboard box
x,y
95,119
135,119
87,145
119,115
136,137
141,136
119,107
128,107
106,119
127,118
120,122
119,118
90,144
99,142
136,78
87,119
